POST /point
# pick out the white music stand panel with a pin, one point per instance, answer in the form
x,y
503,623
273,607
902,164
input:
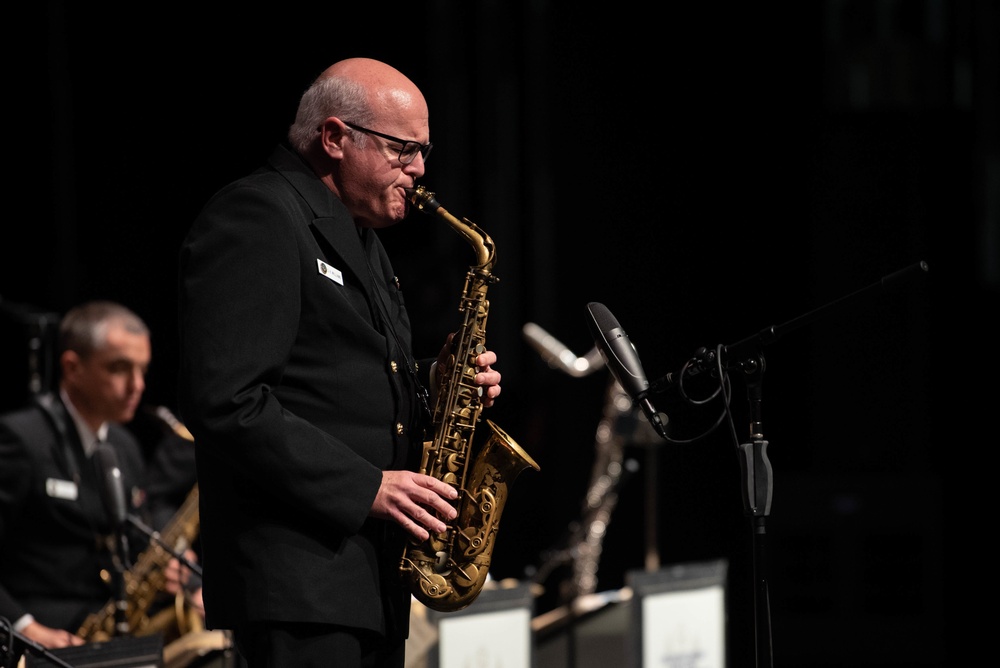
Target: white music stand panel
x,y
679,616
487,639
495,630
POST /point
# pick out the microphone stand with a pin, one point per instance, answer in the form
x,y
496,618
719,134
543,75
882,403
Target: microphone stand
x,y
13,656
122,566
755,468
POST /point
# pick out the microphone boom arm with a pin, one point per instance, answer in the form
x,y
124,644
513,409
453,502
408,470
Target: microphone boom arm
x,y
154,536
749,345
745,353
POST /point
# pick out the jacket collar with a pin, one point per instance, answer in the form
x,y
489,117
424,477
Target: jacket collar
x,y
331,219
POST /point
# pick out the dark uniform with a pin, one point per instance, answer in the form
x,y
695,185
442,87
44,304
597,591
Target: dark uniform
x,y
56,536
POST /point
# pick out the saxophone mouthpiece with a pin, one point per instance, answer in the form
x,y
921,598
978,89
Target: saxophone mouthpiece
x,y
413,196
422,198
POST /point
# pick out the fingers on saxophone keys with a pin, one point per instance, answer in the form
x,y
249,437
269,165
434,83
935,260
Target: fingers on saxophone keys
x,y
415,530
430,523
488,379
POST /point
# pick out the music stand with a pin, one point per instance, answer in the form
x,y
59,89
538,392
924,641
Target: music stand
x,y
678,615
469,637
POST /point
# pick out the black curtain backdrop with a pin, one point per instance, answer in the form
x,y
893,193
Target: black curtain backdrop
x,y
705,173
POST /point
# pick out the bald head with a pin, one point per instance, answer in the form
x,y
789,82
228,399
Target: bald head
x,y
367,71
360,90
389,90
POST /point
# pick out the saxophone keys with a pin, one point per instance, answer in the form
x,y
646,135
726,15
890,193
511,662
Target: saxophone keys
x,y
434,586
453,463
467,576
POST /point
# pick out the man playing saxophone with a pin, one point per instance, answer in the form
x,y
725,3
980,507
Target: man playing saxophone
x,y
58,556
298,381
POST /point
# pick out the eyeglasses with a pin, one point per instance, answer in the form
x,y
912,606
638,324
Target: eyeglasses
x,y
408,148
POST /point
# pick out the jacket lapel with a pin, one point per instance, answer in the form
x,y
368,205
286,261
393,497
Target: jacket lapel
x,y
332,222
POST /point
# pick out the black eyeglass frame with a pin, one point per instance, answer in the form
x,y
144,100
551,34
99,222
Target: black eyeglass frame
x,y
423,149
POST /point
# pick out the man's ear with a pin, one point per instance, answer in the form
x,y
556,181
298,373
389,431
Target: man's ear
x,y
69,362
332,134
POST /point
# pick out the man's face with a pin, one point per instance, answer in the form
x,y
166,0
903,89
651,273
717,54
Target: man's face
x,y
108,384
373,180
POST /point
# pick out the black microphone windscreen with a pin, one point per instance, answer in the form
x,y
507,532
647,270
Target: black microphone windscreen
x,y
112,486
619,353
601,318
622,360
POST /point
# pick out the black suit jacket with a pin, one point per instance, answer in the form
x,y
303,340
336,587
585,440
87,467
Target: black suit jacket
x,y
53,524
295,345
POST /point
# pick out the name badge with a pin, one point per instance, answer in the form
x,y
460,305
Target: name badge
x,y
61,489
332,273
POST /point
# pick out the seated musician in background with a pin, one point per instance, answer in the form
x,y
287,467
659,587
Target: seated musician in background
x,y
59,546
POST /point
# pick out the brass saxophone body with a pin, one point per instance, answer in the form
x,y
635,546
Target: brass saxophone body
x,y
448,571
145,580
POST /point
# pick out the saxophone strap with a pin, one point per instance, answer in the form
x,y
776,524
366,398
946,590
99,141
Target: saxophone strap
x,y
384,323
55,413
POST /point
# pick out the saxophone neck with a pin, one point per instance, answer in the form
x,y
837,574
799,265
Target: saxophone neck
x,y
480,241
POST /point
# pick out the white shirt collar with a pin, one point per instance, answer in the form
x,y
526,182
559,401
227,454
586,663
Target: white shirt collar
x,y
88,437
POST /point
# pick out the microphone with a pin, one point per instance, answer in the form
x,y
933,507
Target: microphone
x,y
112,487
622,359
557,355
113,495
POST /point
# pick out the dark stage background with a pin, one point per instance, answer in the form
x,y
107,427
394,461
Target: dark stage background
x,y
705,173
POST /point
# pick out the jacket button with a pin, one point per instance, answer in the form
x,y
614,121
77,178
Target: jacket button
x,y
393,366
399,428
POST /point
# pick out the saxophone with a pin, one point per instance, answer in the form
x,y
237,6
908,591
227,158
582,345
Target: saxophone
x,y
448,570
146,579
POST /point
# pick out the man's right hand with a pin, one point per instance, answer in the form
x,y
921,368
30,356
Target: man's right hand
x,y
414,501
50,638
